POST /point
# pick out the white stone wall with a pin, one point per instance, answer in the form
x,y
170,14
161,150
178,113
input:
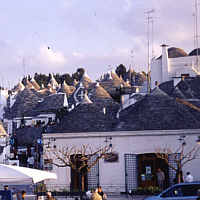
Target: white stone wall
x,y
156,72
6,151
176,67
3,103
138,142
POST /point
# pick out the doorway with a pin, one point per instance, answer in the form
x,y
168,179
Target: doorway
x,y
148,165
76,180
76,177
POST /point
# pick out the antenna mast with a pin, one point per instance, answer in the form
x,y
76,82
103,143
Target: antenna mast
x,y
194,31
149,70
132,60
197,45
24,66
153,56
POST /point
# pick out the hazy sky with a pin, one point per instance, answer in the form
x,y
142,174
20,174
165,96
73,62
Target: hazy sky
x,y
92,34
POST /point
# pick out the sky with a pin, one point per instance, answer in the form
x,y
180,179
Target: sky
x,y
60,36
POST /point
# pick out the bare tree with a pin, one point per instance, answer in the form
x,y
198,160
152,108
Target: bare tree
x,y
179,157
79,159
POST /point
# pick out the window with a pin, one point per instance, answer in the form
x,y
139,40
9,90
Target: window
x,y
190,190
175,192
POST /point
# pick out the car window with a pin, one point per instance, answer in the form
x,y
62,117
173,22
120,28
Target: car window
x,y
190,190
175,192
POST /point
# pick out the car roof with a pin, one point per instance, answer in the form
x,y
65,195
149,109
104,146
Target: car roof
x,y
189,183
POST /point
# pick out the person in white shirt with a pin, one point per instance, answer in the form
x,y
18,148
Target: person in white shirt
x,y
31,161
189,177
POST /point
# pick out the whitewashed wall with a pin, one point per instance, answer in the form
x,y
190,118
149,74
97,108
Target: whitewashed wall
x,y
177,66
138,142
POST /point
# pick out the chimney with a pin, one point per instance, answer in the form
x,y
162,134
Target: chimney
x,y
156,83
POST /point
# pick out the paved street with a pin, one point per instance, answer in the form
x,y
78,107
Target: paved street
x,y
111,197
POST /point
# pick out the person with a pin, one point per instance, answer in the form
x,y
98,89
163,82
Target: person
x,y
198,194
24,159
23,193
49,196
181,178
189,178
6,187
17,193
89,193
103,195
160,178
95,195
31,161
8,194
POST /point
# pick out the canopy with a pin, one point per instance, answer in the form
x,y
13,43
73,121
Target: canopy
x,y
23,175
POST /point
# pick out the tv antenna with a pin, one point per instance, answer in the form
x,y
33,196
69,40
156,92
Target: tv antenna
x,y
24,66
132,59
196,28
149,70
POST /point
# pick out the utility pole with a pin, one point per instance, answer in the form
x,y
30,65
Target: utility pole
x,y
149,70
24,66
132,60
194,30
153,56
197,45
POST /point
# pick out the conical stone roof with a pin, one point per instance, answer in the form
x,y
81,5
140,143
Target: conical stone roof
x,y
157,91
185,89
158,112
19,86
53,82
140,79
86,81
2,130
28,84
66,89
34,83
52,102
85,100
176,93
103,100
83,118
25,102
128,75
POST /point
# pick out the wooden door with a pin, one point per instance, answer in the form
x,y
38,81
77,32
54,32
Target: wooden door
x,y
147,172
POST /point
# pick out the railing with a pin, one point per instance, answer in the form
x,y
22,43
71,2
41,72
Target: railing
x,y
108,189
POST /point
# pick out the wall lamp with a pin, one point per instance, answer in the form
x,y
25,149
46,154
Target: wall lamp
x,y
48,147
198,140
182,138
108,139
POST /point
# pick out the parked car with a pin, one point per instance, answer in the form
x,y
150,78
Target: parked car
x,y
179,191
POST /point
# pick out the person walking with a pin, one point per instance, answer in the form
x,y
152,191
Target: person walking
x,y
189,178
49,196
160,178
95,195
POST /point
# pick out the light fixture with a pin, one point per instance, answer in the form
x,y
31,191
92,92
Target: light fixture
x,y
198,140
48,147
107,140
182,138
48,144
